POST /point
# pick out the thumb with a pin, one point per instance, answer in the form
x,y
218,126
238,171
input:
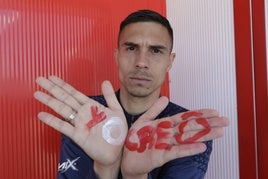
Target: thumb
x,y
109,95
154,110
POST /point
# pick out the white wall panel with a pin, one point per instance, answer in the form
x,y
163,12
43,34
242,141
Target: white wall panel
x,y
203,74
266,31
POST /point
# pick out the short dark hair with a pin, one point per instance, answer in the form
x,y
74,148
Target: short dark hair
x,y
146,15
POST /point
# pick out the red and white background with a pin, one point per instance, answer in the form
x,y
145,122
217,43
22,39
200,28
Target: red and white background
x,y
220,63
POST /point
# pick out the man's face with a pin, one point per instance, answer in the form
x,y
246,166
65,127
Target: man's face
x,y
143,58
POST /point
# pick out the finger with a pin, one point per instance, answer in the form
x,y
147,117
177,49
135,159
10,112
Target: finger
x,y
214,133
218,121
58,106
58,92
198,135
80,97
194,114
56,123
184,150
109,95
201,123
155,109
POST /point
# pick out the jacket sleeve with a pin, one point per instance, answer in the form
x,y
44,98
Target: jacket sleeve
x,y
74,162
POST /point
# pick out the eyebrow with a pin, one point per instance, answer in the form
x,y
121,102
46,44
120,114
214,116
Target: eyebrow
x,y
132,44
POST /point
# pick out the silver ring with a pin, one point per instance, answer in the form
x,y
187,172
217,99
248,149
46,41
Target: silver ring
x,y
71,117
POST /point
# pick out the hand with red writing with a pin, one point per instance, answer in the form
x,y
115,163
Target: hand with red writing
x,y
100,131
151,143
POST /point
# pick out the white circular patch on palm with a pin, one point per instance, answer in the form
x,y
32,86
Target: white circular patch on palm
x,y
112,131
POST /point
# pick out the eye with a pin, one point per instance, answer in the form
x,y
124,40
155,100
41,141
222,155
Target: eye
x,y
131,48
156,50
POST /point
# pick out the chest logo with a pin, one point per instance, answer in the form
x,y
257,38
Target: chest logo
x,y
67,165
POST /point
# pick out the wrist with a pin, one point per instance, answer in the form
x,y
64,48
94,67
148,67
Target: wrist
x,y
140,176
106,171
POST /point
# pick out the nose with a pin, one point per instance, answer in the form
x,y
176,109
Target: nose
x,y
142,60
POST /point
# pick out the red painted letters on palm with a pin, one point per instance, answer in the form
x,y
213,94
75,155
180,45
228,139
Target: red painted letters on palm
x,y
96,117
150,136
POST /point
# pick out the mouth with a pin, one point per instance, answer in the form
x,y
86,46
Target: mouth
x,y
140,80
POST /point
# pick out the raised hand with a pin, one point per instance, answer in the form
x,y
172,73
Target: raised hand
x,y
100,131
151,143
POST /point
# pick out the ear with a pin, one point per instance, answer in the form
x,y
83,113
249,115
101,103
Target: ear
x,y
116,56
171,60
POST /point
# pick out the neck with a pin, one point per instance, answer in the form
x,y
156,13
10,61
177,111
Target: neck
x,y
136,105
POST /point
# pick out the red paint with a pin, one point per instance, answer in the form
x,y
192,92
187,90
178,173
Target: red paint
x,y
146,138
162,134
149,137
203,122
163,146
198,135
182,126
189,114
96,117
130,145
153,137
165,124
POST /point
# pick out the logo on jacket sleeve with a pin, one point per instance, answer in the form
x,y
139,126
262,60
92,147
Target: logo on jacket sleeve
x,y
69,164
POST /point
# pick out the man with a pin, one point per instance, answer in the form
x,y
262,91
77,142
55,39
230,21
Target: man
x,y
97,141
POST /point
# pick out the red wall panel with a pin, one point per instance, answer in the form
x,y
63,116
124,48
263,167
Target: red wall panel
x,y
73,39
261,85
245,90
252,93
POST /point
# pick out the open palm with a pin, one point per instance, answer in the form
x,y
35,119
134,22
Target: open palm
x,y
151,143
100,131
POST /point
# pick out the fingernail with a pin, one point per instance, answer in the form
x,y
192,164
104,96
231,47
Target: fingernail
x,y
37,94
41,115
